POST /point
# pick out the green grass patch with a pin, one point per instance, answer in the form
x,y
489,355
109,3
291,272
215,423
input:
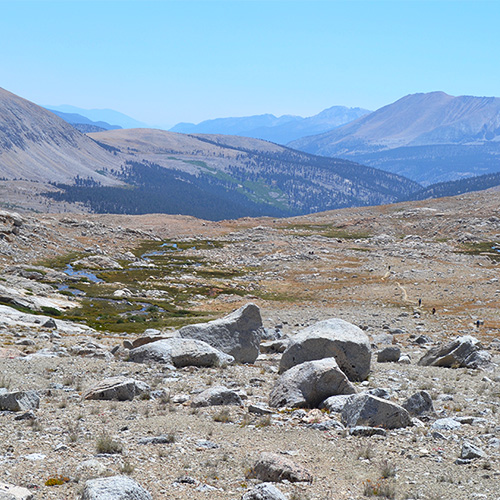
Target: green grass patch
x,y
488,248
181,277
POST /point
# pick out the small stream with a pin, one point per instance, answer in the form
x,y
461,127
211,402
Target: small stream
x,y
92,277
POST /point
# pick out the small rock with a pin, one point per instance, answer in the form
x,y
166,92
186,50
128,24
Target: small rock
x,y
367,410
216,396
89,469
180,352
404,359
327,425
128,344
275,346
205,487
422,339
438,435
470,451
362,430
114,488
156,440
335,404
389,354
35,457
50,323
29,415
19,401
11,492
380,392
207,445
465,352
117,388
260,410
419,403
275,468
445,424
264,491
185,480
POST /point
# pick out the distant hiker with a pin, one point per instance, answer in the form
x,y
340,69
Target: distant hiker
x,y
478,323
433,310
419,302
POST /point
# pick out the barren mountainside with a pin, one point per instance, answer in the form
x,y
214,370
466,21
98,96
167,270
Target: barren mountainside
x,y
421,136
37,145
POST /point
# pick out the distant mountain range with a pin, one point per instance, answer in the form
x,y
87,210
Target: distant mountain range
x,y
429,137
210,176
100,115
82,123
280,130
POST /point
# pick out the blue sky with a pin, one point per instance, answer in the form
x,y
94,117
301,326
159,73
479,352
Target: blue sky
x,y
162,62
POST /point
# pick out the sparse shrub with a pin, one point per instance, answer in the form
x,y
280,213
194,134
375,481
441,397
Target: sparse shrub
x,y
35,425
264,421
164,399
223,416
106,444
387,470
5,381
299,494
56,480
127,468
365,453
246,420
381,488
171,438
73,430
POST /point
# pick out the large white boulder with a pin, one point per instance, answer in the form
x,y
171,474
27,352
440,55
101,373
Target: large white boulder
x,y
237,334
309,384
368,410
114,488
180,352
335,338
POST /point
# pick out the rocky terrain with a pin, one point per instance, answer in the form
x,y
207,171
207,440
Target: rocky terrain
x,y
103,376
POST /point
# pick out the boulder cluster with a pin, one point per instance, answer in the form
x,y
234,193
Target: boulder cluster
x,y
323,370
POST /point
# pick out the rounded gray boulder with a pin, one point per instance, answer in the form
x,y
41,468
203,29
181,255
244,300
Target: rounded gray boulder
x,y
307,385
237,334
114,488
180,352
335,338
367,410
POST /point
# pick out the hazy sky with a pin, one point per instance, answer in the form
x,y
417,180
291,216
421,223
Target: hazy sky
x,y
162,62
